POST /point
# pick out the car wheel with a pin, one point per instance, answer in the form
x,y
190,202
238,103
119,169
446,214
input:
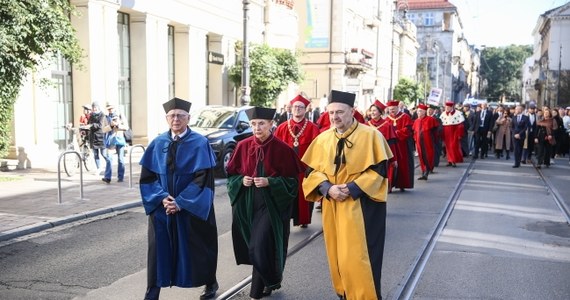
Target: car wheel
x,y
225,159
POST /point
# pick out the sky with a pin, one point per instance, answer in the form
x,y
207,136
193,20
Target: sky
x,y
498,23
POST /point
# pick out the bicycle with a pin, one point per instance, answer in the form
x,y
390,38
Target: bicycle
x,y
71,162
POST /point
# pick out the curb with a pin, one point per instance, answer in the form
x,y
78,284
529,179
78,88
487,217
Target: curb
x,y
35,228
41,226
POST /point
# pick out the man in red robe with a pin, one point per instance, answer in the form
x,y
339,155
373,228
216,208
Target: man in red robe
x,y
402,124
425,130
298,133
387,130
452,121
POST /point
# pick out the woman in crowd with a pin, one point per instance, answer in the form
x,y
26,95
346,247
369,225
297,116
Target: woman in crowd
x,y
560,149
376,120
503,133
544,139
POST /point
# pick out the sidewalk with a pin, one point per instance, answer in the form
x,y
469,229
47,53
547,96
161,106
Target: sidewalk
x,y
29,199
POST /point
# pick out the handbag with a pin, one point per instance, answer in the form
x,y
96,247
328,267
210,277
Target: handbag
x,y
551,140
113,139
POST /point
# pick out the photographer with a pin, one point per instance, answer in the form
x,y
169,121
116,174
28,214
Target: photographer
x,y
114,126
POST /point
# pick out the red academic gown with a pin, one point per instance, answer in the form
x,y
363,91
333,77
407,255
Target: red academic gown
x,y
402,124
425,130
302,210
390,135
452,133
324,122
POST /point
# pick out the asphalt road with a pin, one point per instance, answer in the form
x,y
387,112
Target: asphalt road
x,y
105,258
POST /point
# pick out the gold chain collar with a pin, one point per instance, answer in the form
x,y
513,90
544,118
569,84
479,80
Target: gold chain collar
x,y
296,137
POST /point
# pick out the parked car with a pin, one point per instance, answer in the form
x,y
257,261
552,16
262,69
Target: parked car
x,y
224,127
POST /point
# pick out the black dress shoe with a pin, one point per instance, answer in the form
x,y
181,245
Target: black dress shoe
x,y
515,166
422,178
267,290
107,180
209,291
449,164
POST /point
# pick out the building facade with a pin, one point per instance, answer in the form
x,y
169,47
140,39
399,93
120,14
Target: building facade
x,y
137,55
551,68
354,46
452,64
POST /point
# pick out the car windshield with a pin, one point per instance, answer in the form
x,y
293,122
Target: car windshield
x,y
209,117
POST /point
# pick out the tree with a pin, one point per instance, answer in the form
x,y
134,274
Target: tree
x,y
501,67
271,71
30,31
408,91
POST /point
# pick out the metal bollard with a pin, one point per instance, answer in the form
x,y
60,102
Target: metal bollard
x,y
59,174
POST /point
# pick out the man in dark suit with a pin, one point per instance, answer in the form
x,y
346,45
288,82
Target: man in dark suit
x,y
531,132
519,126
481,126
286,115
312,114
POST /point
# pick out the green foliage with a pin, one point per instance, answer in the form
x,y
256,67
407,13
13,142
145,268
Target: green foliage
x,y
271,70
408,91
424,81
502,69
30,32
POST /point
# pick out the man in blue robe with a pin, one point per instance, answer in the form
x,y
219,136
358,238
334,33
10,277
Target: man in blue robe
x,y
177,190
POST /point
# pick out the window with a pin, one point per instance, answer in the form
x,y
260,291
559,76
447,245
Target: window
x,y
428,19
123,32
170,62
61,96
412,18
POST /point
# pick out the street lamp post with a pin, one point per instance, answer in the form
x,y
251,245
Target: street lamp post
x,y
245,89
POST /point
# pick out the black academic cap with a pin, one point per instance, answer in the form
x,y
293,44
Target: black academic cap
x,y
176,103
342,97
260,113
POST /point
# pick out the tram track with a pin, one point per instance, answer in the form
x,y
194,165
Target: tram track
x,y
407,286
236,289
558,199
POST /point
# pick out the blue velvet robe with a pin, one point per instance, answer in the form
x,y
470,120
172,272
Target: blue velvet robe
x,y
183,247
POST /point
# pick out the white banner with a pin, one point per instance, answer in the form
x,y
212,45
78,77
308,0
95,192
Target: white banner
x,y
434,96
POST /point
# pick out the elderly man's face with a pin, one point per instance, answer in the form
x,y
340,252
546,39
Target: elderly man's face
x,y
261,128
393,110
177,120
340,115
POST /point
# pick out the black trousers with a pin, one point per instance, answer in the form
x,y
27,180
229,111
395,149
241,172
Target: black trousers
x,y
481,142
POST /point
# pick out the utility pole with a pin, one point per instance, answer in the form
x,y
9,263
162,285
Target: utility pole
x,y
559,75
245,89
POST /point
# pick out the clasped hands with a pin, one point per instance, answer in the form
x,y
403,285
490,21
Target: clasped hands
x,y
169,205
339,192
257,181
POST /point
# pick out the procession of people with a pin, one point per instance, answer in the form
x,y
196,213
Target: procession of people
x,y
345,161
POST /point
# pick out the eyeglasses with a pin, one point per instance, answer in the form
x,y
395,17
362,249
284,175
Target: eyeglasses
x,y
298,107
176,116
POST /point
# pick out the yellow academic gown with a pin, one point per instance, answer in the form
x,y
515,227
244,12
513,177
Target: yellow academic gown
x,y
354,229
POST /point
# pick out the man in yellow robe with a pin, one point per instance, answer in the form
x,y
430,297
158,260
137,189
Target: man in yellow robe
x,y
348,172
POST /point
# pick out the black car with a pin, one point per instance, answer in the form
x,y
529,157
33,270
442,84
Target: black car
x,y
223,126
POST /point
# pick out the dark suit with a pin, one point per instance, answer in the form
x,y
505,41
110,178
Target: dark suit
x,y
519,127
284,117
481,127
531,134
315,115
